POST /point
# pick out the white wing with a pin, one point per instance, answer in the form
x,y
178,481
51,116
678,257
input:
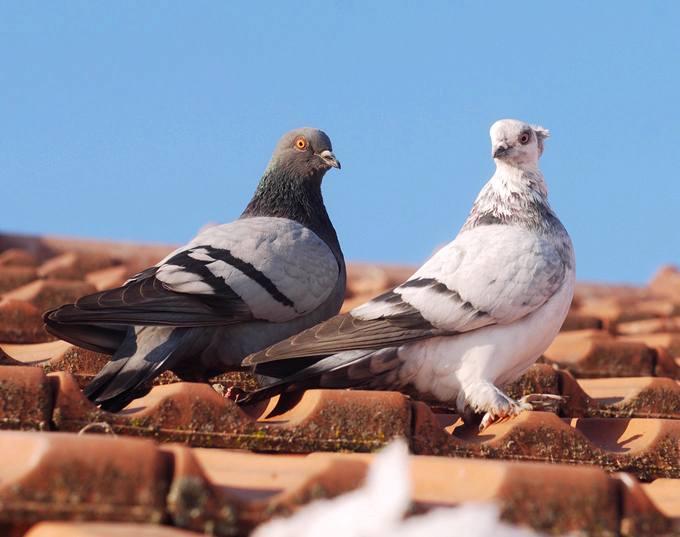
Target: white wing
x,y
488,275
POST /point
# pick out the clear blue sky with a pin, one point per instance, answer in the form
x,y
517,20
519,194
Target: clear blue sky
x,y
145,120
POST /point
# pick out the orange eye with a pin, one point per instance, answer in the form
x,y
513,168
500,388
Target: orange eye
x,y
300,143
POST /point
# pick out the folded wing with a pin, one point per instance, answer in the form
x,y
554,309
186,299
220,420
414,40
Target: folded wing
x,y
262,268
473,282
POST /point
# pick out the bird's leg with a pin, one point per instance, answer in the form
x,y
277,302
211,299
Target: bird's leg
x,y
484,397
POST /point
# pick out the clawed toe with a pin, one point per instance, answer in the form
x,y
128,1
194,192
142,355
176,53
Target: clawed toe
x,y
487,420
514,408
497,407
533,401
543,401
501,415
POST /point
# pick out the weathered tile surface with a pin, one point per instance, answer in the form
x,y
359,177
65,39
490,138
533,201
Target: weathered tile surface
x,y
616,363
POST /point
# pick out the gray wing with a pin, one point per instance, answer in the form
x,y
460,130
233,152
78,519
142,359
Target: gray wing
x,y
261,268
347,332
489,275
279,268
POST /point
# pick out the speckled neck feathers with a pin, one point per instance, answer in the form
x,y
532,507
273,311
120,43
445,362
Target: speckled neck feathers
x,y
517,197
283,194
514,197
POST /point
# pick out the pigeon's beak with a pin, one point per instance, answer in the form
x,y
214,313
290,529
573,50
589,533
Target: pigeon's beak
x,y
329,158
501,150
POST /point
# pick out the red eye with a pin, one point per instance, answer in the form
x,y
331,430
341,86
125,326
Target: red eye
x,y
300,143
524,138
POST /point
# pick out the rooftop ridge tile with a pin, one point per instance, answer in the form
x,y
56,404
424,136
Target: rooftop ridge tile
x,y
196,414
649,326
330,420
12,277
623,397
75,266
598,354
47,294
105,529
18,385
542,436
64,476
665,495
227,493
616,362
641,513
21,322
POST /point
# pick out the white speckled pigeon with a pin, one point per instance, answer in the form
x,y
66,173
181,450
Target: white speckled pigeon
x,y
472,318
234,289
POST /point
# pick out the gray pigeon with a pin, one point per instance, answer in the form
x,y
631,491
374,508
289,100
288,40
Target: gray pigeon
x,y
474,317
233,290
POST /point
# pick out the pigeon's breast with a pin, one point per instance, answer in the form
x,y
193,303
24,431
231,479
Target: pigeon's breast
x,y
498,353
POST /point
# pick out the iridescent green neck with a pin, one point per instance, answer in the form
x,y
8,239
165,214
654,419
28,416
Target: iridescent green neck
x,y
284,194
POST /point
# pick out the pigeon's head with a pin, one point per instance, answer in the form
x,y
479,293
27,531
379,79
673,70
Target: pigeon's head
x,y
304,152
517,143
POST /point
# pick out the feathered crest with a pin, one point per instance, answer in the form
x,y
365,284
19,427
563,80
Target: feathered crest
x,y
541,135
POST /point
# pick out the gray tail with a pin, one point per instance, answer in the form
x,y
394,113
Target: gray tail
x,y
143,356
99,338
368,369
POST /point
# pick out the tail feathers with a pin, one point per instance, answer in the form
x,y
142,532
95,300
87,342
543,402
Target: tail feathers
x,y
126,351
144,355
98,338
351,369
98,384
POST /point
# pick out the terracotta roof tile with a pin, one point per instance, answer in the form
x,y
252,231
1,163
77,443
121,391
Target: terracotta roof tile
x,y
257,487
198,415
666,282
47,294
58,356
237,491
598,354
669,341
654,397
665,494
17,257
647,448
12,277
64,476
649,326
633,397
84,364
616,363
74,266
645,511
228,493
26,401
21,322
108,277
580,321
105,529
330,420
614,311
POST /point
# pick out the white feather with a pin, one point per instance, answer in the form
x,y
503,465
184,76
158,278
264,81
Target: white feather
x,y
378,509
453,368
